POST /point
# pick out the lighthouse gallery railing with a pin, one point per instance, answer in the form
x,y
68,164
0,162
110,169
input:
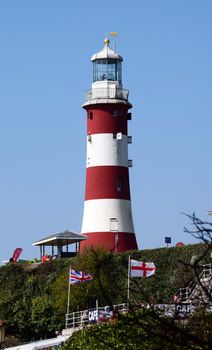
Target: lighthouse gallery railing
x,y
108,92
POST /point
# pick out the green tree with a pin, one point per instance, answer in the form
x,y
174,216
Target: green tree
x,y
143,328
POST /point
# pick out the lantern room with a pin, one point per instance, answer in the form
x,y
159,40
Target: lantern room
x,y
107,65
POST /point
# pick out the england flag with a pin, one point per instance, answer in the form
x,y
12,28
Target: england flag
x,y
141,269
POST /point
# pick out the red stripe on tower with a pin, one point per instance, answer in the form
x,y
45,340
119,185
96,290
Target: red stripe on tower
x,y
107,218
107,182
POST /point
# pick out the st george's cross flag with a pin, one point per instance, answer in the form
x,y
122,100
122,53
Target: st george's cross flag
x,y
79,277
141,269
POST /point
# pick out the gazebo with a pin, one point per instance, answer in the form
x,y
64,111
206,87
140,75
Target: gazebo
x,y
58,241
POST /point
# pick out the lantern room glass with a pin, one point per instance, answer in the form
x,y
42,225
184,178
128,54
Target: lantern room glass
x,y
107,69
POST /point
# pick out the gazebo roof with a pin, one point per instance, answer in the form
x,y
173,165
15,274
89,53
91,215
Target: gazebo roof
x,y
60,239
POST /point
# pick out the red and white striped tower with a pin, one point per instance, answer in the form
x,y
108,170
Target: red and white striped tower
x,y
107,219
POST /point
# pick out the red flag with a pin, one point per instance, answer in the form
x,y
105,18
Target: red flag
x,y
16,254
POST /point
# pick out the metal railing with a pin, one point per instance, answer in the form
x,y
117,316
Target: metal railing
x,y
186,294
106,93
76,319
207,271
81,318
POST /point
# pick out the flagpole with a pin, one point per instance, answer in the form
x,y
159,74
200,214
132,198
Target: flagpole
x,y
128,282
69,285
97,309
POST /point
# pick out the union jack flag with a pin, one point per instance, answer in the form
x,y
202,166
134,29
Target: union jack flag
x,y
79,277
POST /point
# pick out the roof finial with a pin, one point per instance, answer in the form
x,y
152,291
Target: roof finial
x,y
106,41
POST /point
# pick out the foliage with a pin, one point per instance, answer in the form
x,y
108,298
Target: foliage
x,y
172,272
33,298
143,330
26,301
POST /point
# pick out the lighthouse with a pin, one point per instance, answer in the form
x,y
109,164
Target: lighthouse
x,y
107,218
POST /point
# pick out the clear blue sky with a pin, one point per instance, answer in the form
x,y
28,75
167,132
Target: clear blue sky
x,y
45,51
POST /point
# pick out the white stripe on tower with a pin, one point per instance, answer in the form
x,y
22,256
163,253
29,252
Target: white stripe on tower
x,y
94,221
107,149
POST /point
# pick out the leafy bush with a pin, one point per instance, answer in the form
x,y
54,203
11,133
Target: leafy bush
x,y
33,299
144,330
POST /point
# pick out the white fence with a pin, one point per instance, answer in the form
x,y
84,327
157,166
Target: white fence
x,y
98,314
194,292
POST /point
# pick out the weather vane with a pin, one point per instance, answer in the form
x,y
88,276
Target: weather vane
x,y
107,40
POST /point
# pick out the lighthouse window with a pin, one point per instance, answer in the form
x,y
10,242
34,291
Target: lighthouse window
x,y
112,71
119,185
90,115
107,69
113,224
119,135
117,113
119,78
